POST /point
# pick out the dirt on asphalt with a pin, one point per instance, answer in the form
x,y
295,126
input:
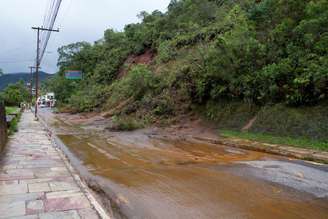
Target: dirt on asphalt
x,y
166,173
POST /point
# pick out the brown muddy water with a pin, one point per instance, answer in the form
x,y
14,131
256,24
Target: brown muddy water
x,y
181,179
159,176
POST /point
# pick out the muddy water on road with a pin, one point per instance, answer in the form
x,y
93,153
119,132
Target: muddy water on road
x,y
160,178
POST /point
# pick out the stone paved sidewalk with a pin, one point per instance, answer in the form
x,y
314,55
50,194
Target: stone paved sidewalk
x,y
35,181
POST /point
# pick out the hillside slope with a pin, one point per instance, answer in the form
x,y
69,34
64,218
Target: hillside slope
x,y
12,78
203,56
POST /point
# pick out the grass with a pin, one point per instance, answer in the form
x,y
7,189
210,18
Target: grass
x,y
11,109
271,139
279,120
230,115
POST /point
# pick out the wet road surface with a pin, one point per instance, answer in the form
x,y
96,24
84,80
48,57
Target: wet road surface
x,y
154,177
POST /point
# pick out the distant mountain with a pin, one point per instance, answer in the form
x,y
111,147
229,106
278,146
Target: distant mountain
x,y
15,77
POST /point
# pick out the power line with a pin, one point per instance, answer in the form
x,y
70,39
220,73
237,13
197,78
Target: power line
x,y
47,16
47,34
46,12
64,13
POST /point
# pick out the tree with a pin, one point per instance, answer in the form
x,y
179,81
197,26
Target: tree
x,y
258,51
1,72
70,55
14,94
62,87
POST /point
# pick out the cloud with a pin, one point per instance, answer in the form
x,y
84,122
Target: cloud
x,y
78,20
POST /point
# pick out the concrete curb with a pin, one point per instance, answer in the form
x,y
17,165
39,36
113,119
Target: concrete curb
x,y
83,185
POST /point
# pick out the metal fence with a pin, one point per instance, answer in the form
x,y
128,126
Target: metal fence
x,y
3,126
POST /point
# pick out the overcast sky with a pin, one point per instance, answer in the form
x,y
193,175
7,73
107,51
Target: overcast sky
x,y
78,20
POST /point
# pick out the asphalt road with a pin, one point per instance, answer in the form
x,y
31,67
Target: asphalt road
x,y
157,177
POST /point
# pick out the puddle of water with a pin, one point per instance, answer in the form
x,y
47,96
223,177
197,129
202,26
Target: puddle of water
x,y
174,179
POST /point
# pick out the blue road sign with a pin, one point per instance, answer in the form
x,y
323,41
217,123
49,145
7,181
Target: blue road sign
x,y
73,75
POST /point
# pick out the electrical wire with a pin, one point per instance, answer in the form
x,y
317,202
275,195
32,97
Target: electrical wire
x,y
47,19
64,14
49,24
45,12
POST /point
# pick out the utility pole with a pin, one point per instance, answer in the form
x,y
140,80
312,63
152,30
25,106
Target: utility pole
x,y
31,82
37,66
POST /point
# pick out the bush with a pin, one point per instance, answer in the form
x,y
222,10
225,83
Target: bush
x,y
125,123
134,85
159,105
87,100
13,126
166,52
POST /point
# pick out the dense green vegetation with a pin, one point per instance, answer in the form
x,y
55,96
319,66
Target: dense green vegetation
x,y
15,94
12,96
13,126
255,53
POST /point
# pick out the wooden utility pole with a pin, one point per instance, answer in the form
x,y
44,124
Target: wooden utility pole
x,y
31,82
37,66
